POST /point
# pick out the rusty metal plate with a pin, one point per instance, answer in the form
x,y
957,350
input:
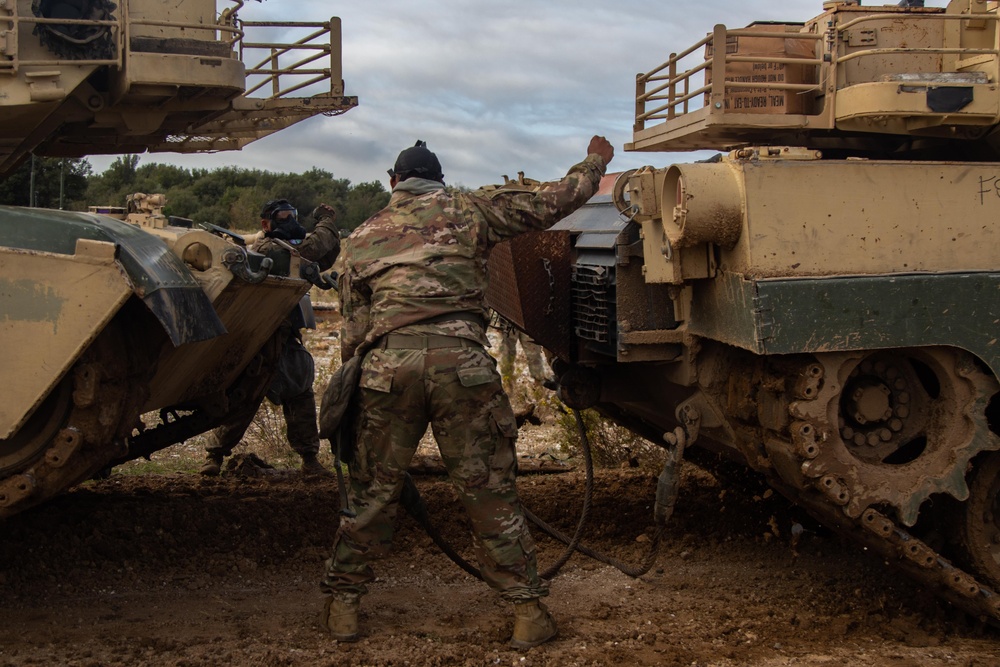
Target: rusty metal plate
x,y
530,286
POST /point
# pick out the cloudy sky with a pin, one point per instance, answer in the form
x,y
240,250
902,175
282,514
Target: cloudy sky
x,y
494,88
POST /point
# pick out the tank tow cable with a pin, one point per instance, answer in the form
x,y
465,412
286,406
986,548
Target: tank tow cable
x,y
667,487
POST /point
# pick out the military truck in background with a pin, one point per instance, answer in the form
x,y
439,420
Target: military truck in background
x,y
104,320
821,302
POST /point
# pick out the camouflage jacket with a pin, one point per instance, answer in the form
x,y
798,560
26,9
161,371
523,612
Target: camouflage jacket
x,y
424,255
322,245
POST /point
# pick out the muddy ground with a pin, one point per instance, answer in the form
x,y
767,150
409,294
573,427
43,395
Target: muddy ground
x,y
157,567
183,570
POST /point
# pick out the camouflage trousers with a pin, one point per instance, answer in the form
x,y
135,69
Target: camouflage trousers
x,y
532,353
457,390
298,402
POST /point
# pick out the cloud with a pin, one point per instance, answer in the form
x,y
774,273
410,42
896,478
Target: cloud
x,y
493,88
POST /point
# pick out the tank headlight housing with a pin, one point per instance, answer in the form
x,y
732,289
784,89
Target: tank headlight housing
x,y
198,256
707,205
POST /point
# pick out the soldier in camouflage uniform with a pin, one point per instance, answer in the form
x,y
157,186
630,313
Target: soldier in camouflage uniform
x,y
510,336
290,378
412,283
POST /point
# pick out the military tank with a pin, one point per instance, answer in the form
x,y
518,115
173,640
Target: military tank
x,y
105,318
819,301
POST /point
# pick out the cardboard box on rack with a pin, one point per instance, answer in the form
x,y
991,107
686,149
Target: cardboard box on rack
x,y
765,100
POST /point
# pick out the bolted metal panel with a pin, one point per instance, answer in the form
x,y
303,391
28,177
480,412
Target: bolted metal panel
x,y
530,286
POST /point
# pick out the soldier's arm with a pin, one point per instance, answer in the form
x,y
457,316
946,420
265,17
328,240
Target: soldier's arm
x,y
322,244
511,213
263,244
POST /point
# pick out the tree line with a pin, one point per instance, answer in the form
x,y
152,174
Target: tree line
x,y
229,197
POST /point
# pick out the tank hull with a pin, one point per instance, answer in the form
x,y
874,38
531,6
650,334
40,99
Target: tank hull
x,y
839,341
104,321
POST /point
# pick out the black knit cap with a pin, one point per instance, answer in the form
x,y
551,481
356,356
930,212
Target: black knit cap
x,y
417,161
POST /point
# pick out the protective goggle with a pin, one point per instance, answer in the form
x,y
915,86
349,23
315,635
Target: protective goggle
x,y
281,209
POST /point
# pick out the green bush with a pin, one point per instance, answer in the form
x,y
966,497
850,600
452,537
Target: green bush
x,y
611,445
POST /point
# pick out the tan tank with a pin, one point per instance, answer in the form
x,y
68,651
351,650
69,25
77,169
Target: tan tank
x,y
103,319
93,76
821,302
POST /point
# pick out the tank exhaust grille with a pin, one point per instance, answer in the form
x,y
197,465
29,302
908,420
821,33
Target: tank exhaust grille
x,y
593,299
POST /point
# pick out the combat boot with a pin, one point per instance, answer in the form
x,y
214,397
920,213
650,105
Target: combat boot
x,y
532,625
311,467
212,466
341,619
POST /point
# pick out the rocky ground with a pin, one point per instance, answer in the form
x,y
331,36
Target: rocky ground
x,y
157,565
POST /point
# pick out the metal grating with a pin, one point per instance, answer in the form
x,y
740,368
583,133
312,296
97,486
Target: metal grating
x,y
593,299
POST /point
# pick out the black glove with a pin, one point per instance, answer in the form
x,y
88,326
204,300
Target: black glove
x,y
324,211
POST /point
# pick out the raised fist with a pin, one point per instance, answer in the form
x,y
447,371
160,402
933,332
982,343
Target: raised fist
x,y
324,211
600,146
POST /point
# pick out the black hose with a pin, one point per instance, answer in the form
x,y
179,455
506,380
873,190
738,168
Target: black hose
x,y
666,496
414,504
588,492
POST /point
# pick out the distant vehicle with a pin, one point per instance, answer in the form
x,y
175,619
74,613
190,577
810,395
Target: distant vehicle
x,y
820,303
104,320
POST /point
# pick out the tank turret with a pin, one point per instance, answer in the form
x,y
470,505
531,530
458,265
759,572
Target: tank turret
x,y
94,77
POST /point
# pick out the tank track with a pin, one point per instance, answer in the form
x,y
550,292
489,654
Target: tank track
x,y
872,502
81,427
977,529
914,557
178,424
852,413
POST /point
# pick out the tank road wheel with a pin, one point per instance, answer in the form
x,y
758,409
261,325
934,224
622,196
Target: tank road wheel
x,y
33,438
896,426
76,430
979,524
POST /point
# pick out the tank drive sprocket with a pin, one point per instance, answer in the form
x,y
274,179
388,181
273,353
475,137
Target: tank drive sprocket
x,y
895,426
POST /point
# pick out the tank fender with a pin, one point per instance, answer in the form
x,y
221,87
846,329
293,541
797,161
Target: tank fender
x,y
165,284
157,276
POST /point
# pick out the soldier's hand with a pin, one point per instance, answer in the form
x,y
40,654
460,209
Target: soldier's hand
x,y
324,211
601,146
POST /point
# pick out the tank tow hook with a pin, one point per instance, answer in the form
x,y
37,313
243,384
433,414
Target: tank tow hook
x,y
235,259
669,481
315,276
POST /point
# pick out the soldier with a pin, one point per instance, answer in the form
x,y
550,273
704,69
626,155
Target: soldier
x,y
412,281
510,336
291,378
